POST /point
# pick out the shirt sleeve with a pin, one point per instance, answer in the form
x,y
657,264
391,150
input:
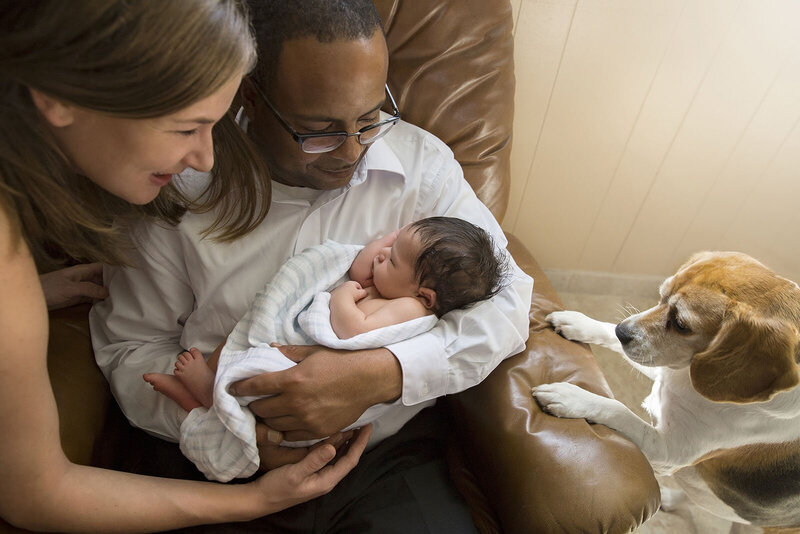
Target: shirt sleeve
x,y
467,344
137,329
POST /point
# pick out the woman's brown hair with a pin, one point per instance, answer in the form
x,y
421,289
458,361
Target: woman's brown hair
x,y
137,60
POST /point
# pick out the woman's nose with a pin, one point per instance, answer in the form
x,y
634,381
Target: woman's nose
x,y
201,158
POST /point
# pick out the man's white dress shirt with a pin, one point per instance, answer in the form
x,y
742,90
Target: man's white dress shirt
x,y
189,291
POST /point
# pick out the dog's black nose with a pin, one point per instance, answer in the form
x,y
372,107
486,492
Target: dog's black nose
x,y
623,333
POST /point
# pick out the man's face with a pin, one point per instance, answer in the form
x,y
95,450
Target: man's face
x,y
336,86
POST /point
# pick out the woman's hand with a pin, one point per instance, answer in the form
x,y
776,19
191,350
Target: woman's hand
x,y
312,476
73,285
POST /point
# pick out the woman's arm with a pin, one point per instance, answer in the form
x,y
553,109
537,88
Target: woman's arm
x,y
40,489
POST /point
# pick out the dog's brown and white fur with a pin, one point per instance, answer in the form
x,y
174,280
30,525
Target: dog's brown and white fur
x,y
722,348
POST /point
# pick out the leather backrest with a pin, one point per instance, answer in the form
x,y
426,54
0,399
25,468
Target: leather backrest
x,y
451,70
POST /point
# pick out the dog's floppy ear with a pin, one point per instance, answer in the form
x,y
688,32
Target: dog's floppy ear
x,y
749,360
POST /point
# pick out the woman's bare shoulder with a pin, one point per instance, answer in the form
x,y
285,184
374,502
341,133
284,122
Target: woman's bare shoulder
x,y
23,312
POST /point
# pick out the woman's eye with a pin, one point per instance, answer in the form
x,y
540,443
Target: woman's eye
x,y
187,133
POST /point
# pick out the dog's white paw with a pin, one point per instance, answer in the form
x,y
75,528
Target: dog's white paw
x,y
576,326
672,499
563,399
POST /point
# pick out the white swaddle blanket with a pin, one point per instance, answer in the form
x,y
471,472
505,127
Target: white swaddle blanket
x,y
293,309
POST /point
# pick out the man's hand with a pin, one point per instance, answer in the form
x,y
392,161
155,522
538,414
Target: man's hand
x,y
272,455
325,392
73,285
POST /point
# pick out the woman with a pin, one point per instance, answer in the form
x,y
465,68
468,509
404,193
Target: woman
x,y
101,103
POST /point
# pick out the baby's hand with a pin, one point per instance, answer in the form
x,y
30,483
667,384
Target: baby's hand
x,y
353,289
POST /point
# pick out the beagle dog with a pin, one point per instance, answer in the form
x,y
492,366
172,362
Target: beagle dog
x,y
722,348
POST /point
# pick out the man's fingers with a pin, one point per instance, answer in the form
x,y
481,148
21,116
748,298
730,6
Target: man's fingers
x,y
296,353
293,429
269,408
337,440
265,434
271,383
300,435
273,456
86,271
91,291
263,384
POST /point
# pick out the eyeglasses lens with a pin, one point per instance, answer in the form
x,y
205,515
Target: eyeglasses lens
x,y
316,145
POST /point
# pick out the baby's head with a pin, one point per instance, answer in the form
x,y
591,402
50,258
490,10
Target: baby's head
x,y
448,262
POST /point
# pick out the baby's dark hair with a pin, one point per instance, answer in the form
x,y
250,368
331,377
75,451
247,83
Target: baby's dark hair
x,y
458,261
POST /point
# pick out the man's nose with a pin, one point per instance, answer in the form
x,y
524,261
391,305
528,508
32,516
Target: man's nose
x,y
350,150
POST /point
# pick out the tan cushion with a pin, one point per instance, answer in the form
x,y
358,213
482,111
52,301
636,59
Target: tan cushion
x,y
81,391
451,69
540,473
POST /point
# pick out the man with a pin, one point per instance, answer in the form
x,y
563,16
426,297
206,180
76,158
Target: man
x,y
323,68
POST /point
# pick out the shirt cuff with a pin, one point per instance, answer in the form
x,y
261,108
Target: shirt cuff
x,y
425,368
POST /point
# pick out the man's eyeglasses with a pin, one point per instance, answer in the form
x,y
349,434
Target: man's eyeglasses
x,y
317,143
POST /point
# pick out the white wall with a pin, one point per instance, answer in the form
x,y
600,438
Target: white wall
x,y
646,130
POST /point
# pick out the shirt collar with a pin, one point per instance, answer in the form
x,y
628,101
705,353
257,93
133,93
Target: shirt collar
x,y
381,157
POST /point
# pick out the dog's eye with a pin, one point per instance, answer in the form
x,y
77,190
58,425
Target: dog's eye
x,y
678,324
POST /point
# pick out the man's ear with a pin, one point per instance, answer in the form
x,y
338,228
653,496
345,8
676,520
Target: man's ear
x,y
428,296
248,97
56,112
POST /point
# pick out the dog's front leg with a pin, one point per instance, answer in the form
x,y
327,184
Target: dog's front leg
x,y
563,399
576,326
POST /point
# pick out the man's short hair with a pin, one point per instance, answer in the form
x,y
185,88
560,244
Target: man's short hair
x,y
458,260
277,21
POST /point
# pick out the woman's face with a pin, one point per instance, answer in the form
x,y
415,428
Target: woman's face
x,y
134,158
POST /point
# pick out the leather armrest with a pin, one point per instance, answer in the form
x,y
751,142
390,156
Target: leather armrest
x,y
540,473
80,390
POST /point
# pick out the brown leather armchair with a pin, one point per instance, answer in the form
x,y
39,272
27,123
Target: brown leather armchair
x,y
520,470
451,68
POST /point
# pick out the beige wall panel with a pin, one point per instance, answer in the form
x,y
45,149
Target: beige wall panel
x,y
783,256
515,5
720,214
762,226
539,37
727,101
610,59
696,38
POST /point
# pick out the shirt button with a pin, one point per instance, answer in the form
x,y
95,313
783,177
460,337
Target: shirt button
x,y
425,389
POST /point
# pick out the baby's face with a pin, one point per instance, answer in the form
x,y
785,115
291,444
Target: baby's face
x,y
393,267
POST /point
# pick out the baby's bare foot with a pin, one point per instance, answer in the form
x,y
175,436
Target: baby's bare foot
x,y
173,388
193,372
